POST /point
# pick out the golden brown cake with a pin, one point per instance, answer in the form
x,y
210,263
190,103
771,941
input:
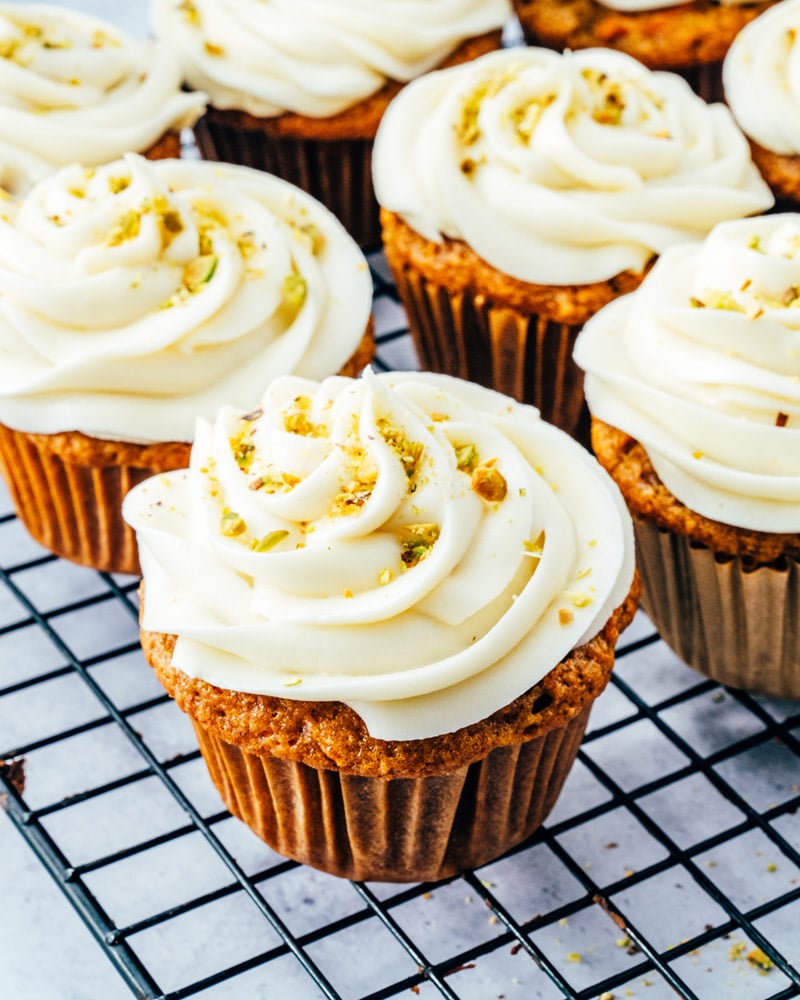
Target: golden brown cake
x,y
694,389
688,38
401,600
171,285
513,211
279,110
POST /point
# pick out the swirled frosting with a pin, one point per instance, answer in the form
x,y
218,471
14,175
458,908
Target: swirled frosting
x,y
314,57
419,547
74,89
562,169
702,365
761,76
138,295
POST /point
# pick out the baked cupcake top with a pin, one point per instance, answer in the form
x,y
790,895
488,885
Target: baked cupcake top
x,y
421,548
562,169
314,57
141,294
77,89
761,76
702,366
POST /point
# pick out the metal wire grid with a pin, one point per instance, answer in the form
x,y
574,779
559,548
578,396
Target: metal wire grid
x,y
666,868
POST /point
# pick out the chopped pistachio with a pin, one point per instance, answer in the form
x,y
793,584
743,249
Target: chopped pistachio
x,y
243,452
118,184
190,12
199,272
297,421
489,483
409,452
466,457
269,541
232,524
126,229
384,577
754,243
757,957
416,541
294,290
565,616
214,50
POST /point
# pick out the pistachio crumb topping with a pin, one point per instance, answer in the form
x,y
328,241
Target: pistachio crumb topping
x,y
243,450
609,102
199,272
384,577
466,457
467,128
117,184
190,13
525,117
489,483
232,524
534,548
409,452
213,50
565,616
580,600
297,421
294,290
416,542
127,228
757,957
269,541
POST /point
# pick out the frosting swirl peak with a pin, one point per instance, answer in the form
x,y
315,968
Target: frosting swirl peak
x,y
562,169
75,89
138,295
421,548
702,366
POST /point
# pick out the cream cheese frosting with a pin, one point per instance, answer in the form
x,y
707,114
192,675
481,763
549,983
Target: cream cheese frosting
x,y
562,169
421,548
702,366
75,89
761,77
141,294
314,57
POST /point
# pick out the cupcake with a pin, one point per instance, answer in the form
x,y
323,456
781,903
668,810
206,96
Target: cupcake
x,y
75,89
299,89
138,295
387,605
694,387
761,74
524,191
690,37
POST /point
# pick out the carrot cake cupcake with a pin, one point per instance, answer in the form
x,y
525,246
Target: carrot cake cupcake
x,y
387,605
137,295
298,89
693,382
527,189
76,89
762,86
690,37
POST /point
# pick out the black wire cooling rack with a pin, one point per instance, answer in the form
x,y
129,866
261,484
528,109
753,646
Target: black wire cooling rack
x,y
670,866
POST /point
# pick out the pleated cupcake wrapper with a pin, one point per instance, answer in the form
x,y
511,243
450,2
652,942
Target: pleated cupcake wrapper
x,y
526,356
339,174
400,829
738,626
72,509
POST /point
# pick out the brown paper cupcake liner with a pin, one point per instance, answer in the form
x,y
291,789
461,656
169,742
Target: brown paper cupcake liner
x,y
337,173
401,829
70,502
738,624
523,355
